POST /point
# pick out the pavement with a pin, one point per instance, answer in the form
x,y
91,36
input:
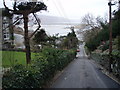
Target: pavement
x,y
83,73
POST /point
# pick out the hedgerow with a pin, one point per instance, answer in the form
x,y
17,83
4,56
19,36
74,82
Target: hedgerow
x,y
40,71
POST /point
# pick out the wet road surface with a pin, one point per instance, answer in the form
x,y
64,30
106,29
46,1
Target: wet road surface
x,y
83,73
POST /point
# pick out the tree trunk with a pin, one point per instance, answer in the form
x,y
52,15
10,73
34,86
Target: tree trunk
x,y
26,38
11,32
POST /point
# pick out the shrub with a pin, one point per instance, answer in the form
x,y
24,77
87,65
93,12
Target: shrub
x,y
41,69
103,59
105,46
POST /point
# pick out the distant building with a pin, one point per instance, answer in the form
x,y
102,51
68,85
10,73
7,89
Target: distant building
x,y
7,39
19,36
18,30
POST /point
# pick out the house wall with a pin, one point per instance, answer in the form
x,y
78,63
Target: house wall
x,y
0,29
0,49
6,41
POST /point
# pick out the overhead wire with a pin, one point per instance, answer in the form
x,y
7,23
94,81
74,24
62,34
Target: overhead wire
x,y
63,11
58,9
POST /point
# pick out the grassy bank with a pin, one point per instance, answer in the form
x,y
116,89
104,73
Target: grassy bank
x,y
10,58
41,70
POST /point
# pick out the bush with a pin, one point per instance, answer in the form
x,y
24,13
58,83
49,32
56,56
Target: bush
x,y
103,35
103,59
40,71
105,46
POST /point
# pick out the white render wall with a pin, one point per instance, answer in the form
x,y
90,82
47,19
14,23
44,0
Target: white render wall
x,y
19,41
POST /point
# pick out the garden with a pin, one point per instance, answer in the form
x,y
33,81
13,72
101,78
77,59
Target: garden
x,y
40,71
11,58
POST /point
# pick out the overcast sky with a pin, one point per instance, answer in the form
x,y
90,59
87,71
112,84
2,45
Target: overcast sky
x,y
77,8
73,9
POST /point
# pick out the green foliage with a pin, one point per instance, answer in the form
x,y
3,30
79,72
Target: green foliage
x,y
118,45
6,13
116,28
103,59
52,40
116,52
103,35
40,37
71,41
11,58
33,6
105,46
22,77
40,71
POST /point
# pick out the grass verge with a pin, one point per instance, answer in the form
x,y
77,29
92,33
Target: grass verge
x,y
10,58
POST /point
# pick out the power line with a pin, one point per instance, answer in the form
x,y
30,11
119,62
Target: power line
x,y
58,9
63,11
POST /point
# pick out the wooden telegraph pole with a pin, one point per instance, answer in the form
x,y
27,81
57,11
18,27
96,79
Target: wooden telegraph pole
x,y
110,35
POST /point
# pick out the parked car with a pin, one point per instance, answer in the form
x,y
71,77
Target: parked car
x,y
78,50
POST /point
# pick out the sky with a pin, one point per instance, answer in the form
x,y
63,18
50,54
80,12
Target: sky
x,y
72,9
75,9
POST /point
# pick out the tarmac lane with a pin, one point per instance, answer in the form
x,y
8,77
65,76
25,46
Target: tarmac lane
x,y
83,73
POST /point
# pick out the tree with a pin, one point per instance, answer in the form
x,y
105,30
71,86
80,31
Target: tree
x,y
53,40
92,22
71,41
96,30
25,9
116,26
40,37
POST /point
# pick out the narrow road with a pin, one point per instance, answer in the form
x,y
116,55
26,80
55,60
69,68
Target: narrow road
x,y
83,73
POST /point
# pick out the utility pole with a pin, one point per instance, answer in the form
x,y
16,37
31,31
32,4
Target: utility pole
x,y
118,18
110,37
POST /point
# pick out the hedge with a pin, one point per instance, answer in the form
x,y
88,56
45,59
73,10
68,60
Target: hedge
x,y
40,71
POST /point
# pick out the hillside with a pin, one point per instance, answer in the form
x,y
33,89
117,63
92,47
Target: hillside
x,y
53,20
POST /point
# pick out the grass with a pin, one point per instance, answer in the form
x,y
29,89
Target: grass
x,y
10,58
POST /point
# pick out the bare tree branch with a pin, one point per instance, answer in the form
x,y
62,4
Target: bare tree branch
x,y
26,8
6,6
13,11
38,21
14,23
14,7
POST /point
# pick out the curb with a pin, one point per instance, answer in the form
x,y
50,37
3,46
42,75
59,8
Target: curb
x,y
110,75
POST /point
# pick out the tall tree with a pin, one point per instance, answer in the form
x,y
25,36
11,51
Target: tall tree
x,y
40,37
92,23
25,9
116,26
71,41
